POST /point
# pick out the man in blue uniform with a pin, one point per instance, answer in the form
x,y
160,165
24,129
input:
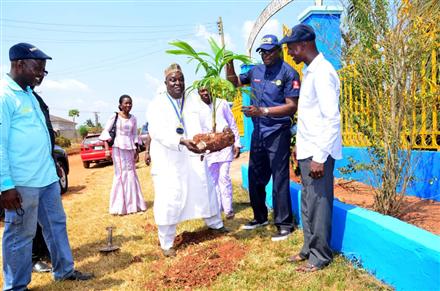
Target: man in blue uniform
x,y
275,91
29,186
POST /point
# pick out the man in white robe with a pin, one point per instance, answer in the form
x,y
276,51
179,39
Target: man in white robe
x,y
182,188
219,162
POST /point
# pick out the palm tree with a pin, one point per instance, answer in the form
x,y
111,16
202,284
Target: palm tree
x,y
73,113
213,65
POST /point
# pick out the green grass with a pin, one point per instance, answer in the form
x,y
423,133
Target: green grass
x,y
264,266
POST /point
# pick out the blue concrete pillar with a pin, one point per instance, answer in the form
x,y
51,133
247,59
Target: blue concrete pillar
x,y
247,121
326,21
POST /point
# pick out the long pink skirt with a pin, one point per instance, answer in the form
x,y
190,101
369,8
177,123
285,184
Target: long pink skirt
x,y
126,195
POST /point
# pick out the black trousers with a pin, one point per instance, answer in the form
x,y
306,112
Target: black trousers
x,y
316,212
39,247
270,157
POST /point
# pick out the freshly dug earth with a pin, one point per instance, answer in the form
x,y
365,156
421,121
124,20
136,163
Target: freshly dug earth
x,y
423,213
201,264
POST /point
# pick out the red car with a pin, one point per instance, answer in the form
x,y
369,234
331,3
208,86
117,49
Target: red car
x,y
93,150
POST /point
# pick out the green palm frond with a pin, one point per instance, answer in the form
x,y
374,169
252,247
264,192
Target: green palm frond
x,y
214,46
213,65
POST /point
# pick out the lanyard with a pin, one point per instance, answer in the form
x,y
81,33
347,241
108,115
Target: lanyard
x,y
179,114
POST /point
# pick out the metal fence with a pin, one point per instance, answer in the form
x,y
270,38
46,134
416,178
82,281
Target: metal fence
x,y
425,110
423,122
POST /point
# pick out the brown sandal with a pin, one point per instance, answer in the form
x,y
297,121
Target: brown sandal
x,y
308,268
295,259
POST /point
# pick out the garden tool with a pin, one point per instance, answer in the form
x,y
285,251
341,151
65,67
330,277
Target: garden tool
x,y
109,247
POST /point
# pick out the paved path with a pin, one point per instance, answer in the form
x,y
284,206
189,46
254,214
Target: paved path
x,y
235,171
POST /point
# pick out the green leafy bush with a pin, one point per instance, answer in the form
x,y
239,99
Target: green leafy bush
x,y
63,142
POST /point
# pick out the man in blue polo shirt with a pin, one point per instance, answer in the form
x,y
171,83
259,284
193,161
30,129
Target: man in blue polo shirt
x,y
30,192
275,91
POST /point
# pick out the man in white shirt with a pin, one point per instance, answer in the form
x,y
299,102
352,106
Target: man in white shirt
x,y
318,144
181,185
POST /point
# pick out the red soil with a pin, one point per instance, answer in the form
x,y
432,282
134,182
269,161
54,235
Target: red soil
x,y
423,213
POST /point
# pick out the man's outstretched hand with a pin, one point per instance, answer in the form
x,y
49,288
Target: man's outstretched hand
x,y
191,146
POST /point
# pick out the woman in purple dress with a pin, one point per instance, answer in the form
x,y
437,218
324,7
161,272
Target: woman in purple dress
x,y
126,195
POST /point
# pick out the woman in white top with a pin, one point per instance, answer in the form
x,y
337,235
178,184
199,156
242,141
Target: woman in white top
x,y
126,195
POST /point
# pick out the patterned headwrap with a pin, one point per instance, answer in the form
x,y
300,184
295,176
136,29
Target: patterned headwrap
x,y
172,69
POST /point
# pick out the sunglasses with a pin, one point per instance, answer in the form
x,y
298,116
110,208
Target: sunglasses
x,y
267,52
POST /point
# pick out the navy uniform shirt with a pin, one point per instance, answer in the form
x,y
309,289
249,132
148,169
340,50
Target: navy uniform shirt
x,y
270,86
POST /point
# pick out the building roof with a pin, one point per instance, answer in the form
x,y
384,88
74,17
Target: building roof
x,y
54,118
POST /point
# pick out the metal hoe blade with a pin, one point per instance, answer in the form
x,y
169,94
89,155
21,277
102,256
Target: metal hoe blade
x,y
109,247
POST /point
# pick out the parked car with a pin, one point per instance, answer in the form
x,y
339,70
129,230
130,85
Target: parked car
x,y
63,162
93,150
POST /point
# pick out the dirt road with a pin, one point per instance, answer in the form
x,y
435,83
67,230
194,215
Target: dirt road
x,y
78,175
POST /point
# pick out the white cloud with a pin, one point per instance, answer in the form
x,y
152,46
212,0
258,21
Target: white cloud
x,y
153,83
100,104
4,69
203,33
64,84
272,26
246,30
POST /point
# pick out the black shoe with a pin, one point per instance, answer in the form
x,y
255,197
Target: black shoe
x,y
78,276
41,267
253,224
281,235
219,230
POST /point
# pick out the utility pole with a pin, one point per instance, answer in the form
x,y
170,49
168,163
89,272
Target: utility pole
x,y
96,118
222,35
220,31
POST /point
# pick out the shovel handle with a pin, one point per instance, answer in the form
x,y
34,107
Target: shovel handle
x,y
110,236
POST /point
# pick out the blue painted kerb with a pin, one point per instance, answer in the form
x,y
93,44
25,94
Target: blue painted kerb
x,y
402,255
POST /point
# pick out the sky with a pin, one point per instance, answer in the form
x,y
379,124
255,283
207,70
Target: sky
x,y
102,49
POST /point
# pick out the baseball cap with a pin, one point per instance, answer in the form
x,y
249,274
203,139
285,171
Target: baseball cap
x,y
268,42
300,32
23,51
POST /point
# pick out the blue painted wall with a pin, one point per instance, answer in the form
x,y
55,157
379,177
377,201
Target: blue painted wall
x,y
402,255
328,34
425,165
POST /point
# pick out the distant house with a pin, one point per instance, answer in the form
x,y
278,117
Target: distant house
x,y
65,127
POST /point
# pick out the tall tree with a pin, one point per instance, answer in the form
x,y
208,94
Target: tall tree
x,y
390,45
73,113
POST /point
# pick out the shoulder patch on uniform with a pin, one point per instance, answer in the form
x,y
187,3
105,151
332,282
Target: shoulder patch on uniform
x,y
296,84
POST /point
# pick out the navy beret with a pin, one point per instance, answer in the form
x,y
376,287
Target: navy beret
x,y
300,32
268,42
23,51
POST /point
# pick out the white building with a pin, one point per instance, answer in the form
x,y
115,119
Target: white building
x,y
65,127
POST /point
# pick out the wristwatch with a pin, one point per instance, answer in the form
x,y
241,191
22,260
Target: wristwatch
x,y
265,111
